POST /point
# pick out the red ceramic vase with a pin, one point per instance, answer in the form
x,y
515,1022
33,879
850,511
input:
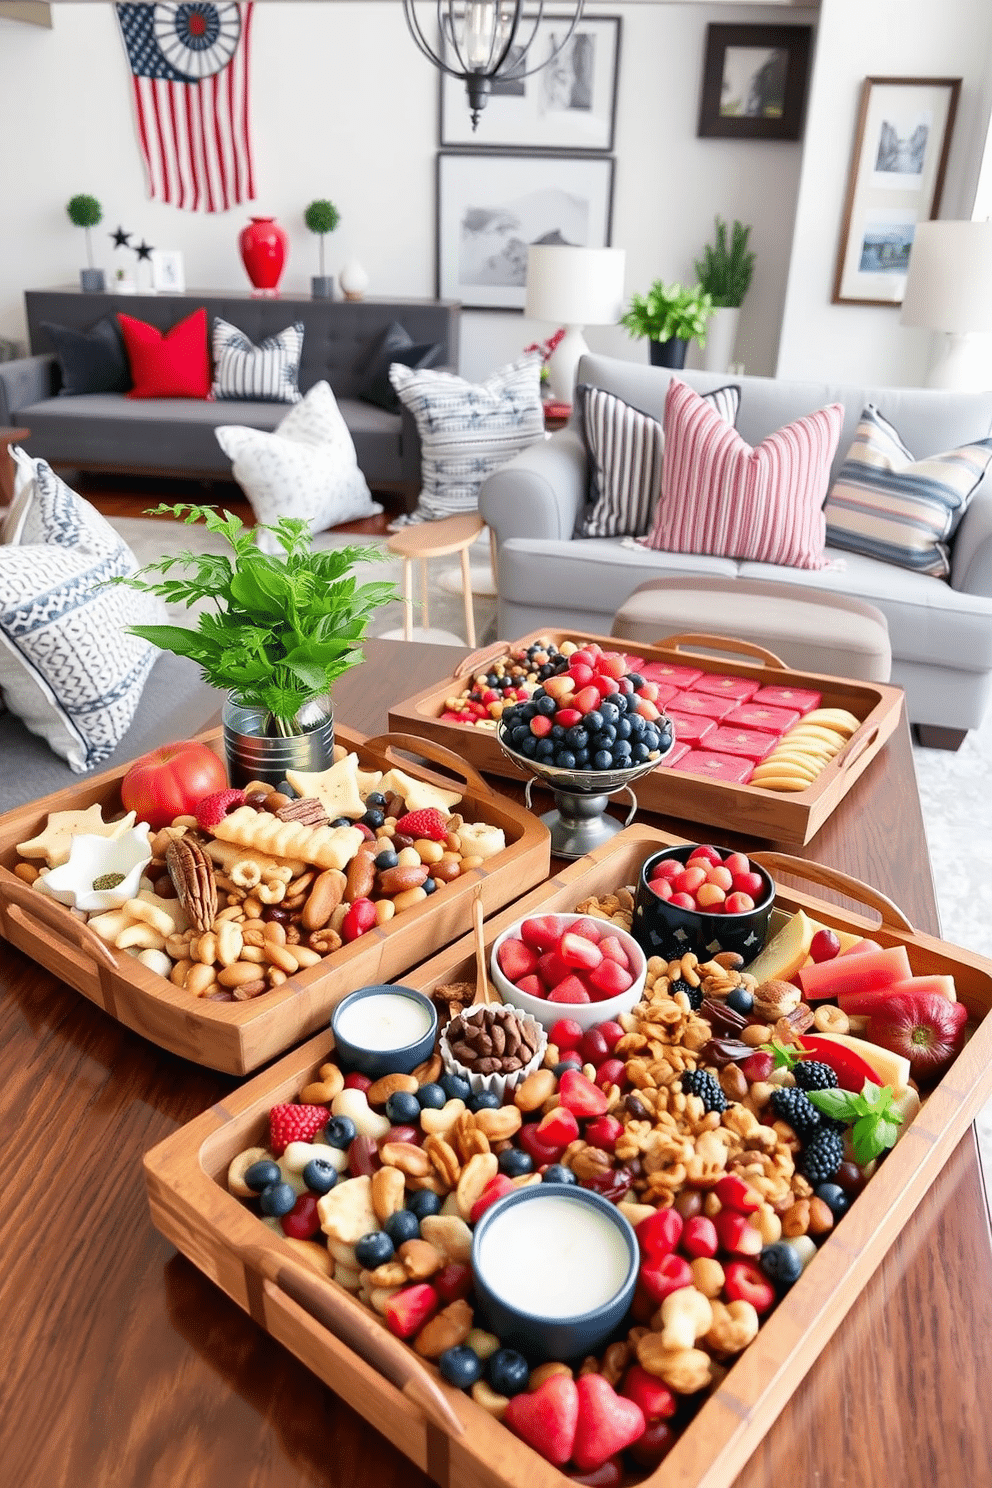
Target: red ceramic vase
x,y
263,252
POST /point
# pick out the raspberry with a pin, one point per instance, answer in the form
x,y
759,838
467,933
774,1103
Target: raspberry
x,y
428,822
294,1124
213,809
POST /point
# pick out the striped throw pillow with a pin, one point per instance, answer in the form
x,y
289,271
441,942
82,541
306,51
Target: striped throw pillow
x,y
888,505
720,496
467,430
625,449
267,373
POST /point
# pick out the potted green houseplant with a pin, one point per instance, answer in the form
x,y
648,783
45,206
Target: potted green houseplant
x,y
85,212
322,217
276,632
725,269
669,316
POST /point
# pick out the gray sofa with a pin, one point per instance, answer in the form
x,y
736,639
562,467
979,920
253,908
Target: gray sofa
x,y
108,431
941,632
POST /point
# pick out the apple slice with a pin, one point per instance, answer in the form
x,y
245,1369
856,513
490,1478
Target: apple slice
x,y
785,953
890,1068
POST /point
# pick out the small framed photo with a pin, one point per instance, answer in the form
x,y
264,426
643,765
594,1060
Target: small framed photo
x,y
755,80
569,104
491,207
901,145
168,274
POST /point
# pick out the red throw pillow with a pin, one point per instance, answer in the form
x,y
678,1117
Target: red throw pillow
x,y
720,496
170,364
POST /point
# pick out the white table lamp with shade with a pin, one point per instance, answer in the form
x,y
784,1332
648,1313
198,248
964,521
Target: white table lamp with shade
x,y
949,289
573,287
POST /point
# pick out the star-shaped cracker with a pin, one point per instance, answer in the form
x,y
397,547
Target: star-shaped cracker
x,y
336,788
55,842
418,794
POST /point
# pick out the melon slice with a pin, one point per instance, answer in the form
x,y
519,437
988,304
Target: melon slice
x,y
862,973
785,953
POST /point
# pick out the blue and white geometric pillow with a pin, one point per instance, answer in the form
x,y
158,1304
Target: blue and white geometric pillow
x,y
267,373
68,668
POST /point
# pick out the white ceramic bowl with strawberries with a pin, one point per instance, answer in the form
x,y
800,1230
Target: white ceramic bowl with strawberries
x,y
568,966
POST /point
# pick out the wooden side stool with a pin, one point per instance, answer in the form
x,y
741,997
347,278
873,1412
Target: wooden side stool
x,y
424,540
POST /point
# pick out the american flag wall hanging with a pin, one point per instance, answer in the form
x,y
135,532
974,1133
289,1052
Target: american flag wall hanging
x,y
191,97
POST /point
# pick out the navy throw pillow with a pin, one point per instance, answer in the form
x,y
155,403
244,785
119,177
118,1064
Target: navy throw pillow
x,y
375,387
91,361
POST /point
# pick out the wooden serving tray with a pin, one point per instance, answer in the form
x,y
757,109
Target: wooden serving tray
x,y
442,1430
239,1036
776,816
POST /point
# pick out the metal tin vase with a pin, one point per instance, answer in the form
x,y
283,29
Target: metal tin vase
x,y
254,754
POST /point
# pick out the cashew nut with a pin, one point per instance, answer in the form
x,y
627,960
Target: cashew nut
x,y
685,1316
734,1326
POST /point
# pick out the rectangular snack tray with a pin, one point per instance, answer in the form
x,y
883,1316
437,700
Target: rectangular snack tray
x,y
774,816
442,1430
239,1036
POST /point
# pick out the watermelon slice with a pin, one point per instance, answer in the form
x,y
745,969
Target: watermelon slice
x,y
862,1003
859,947
845,974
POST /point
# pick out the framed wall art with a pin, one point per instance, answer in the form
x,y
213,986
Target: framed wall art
x,y
755,80
491,207
168,273
570,104
897,175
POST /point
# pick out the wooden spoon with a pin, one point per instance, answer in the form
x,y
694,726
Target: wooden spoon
x,y
484,992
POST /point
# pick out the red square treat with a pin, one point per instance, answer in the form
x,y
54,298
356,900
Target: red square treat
x,y
751,744
633,663
715,766
676,752
788,697
761,716
701,703
691,728
738,688
665,693
664,671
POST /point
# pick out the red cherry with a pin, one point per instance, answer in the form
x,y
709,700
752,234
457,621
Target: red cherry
x,y
824,946
567,1034
612,1072
612,1033
302,1222
738,904
355,1081
710,854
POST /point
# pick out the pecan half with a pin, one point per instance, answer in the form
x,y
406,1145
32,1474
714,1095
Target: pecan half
x,y
192,873
306,810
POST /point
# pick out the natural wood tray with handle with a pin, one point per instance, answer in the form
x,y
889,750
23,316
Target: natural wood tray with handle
x,y
405,1398
775,816
239,1036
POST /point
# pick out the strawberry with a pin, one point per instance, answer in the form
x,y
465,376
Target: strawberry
x,y
295,1124
651,1394
605,1132
745,1283
566,1033
610,980
551,968
612,947
580,1096
557,1128
660,1233
737,1234
665,1274
500,1186
607,1423
547,1418
429,822
212,809
408,1309
734,1193
569,990
578,953
699,1237
542,932
516,960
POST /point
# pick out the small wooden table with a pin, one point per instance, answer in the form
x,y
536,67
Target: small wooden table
x,y
423,540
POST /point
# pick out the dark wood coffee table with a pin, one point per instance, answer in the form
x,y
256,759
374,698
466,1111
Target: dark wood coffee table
x,y
124,1367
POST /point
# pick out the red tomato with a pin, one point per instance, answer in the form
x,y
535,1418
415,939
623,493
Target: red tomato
x,y
167,782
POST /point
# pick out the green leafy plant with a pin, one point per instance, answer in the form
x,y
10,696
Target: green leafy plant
x,y
726,269
876,1122
284,626
321,217
85,211
669,310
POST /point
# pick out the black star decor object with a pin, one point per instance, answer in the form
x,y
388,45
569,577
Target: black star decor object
x,y
144,250
121,238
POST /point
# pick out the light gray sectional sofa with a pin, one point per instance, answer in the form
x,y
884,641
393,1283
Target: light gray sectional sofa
x,y
941,632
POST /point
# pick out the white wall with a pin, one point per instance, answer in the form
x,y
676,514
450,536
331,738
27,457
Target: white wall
x,y
855,40
343,106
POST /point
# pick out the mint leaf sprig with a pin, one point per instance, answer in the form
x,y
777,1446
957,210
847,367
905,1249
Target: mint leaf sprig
x,y
875,1121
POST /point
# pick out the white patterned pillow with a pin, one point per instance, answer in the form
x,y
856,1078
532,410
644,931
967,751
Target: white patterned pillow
x,y
307,468
467,431
68,667
267,373
626,450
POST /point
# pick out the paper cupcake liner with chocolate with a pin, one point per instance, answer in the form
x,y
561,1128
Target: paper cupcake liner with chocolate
x,y
493,1047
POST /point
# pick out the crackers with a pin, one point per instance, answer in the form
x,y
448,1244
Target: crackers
x,y
55,842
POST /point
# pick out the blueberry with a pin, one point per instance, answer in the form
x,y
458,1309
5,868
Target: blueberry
x,y
431,1097
277,1199
545,704
483,1100
557,733
565,759
374,817
320,1176
374,1250
401,1226
429,885
639,752
594,721
460,1366
577,737
609,711
514,1162
740,1000
558,1173
342,821
582,759
621,753
375,798
518,734
638,723
545,749
528,745
424,1203
781,1263
261,1174
340,1132
386,859
623,729
570,1062
508,1372
836,1200
636,681
403,1109
602,759
455,1088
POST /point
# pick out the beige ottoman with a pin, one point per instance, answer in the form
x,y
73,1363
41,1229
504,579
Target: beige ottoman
x,y
810,630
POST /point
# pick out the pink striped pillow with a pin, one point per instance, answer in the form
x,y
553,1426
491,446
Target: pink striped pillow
x,y
720,496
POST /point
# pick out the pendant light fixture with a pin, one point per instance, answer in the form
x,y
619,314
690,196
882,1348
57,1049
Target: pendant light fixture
x,y
484,40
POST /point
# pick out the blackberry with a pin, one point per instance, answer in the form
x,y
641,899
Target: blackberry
x,y
699,1082
822,1156
795,1107
811,1074
694,994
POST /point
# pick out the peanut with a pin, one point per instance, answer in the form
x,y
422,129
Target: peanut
x,y
325,895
